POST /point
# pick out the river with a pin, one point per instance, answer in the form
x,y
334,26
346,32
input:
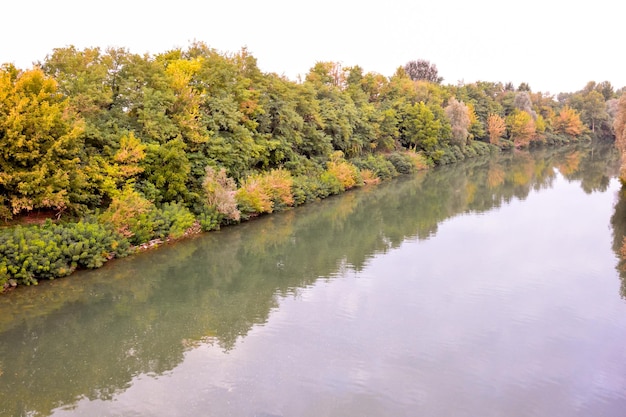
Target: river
x,y
486,288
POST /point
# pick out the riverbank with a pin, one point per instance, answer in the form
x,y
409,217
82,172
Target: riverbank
x,y
30,253
53,249
124,149
453,237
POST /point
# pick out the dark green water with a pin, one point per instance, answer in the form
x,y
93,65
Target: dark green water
x,y
488,288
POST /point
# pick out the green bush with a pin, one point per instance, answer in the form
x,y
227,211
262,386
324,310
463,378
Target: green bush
x,y
506,144
402,162
28,254
210,219
378,164
140,221
469,151
330,184
477,147
306,189
173,220
132,216
451,154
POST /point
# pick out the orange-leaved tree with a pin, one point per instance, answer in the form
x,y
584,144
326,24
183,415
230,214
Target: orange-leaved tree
x,y
568,122
496,126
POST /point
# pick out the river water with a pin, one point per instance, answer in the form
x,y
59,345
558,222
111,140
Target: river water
x,y
487,288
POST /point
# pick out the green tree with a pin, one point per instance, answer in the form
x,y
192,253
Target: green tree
x,y
87,79
594,111
166,171
419,129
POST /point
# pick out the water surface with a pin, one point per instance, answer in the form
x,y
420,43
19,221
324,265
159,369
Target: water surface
x,y
488,288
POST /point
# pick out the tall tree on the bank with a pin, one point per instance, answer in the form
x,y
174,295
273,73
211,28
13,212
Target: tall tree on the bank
x,y
419,128
591,104
458,114
521,128
423,70
594,110
522,101
568,122
337,109
39,163
496,126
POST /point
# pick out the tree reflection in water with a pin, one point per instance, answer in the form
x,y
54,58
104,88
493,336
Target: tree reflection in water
x,y
89,335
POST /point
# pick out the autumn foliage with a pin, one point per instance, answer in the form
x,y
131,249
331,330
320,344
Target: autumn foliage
x,y
496,127
264,193
150,144
345,172
568,122
521,128
219,192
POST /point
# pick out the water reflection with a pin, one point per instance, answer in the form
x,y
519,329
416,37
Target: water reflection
x,y
91,336
618,223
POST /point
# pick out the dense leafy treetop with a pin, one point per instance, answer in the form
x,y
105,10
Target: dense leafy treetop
x,y
84,125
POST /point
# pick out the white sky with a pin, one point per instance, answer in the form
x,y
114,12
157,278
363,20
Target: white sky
x,y
555,46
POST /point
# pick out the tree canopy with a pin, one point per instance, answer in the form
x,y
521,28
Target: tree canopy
x,y
82,126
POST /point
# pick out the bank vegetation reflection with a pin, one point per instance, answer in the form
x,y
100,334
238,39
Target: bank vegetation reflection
x,y
89,335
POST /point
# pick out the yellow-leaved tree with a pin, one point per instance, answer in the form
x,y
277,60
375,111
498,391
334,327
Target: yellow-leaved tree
x,y
521,127
41,136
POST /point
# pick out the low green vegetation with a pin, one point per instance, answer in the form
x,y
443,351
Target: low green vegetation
x,y
53,250
125,149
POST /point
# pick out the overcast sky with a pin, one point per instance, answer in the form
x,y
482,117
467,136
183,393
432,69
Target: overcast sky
x,y
555,46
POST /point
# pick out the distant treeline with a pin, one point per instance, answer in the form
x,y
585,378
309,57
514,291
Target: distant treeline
x,y
129,148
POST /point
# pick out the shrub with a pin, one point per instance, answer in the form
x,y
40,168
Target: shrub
x,y
278,184
408,162
131,215
140,221
220,193
210,219
306,188
330,184
402,162
420,162
482,148
450,155
506,144
469,151
377,164
28,254
175,219
252,198
346,173
265,193
369,177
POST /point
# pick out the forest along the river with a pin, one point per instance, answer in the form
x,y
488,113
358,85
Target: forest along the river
x,y
488,287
